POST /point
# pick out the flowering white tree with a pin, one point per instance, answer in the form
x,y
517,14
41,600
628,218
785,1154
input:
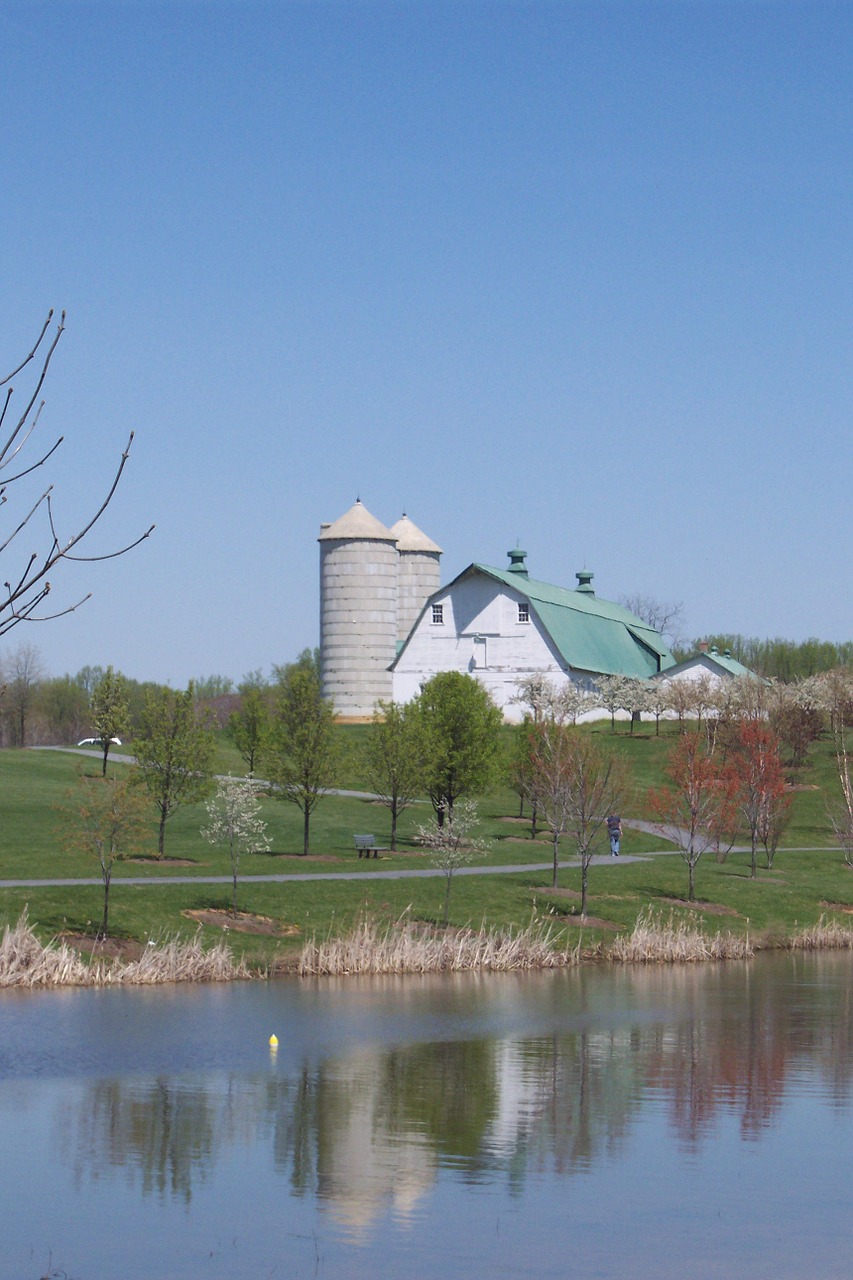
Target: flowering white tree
x,y
562,703
615,693
835,689
234,822
451,843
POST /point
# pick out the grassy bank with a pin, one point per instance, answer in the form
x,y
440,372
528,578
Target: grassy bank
x,y
802,887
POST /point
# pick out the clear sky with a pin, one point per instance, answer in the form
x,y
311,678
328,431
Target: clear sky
x,y
574,275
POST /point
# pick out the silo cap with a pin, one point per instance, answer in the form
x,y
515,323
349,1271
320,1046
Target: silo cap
x,y
357,523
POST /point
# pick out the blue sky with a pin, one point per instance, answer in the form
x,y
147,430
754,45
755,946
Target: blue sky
x,y
577,275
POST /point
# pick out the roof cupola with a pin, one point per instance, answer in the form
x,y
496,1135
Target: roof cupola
x,y
516,562
585,582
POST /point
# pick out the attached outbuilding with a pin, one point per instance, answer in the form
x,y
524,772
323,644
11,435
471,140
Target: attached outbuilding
x,y
708,663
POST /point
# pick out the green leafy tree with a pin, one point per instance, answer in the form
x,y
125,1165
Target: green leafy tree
x,y
303,748
518,764
459,727
234,821
392,759
215,686
174,753
110,711
249,727
107,819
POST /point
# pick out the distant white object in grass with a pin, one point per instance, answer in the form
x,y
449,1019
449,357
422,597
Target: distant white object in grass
x,y
97,742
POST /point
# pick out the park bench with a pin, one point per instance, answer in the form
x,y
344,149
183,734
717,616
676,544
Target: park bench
x,y
367,845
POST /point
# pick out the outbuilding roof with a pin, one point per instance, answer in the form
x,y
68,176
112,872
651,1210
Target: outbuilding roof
x,y
712,658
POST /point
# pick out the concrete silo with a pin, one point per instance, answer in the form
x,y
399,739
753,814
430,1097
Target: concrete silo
x,y
419,573
358,612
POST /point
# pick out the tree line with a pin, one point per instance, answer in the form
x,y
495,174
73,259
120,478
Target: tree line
x,y
777,658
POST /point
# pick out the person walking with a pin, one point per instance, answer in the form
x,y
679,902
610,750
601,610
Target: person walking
x,y
614,830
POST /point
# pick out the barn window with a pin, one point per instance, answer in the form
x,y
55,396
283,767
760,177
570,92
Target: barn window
x,y
480,655
524,612
438,614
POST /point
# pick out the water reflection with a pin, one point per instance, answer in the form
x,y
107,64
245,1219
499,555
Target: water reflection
x,y
508,1080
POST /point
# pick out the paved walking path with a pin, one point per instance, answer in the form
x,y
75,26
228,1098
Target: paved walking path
x,y
374,873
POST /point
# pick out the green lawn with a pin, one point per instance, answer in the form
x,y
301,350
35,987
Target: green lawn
x,y
35,786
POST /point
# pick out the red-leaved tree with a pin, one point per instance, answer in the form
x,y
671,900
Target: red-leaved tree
x,y
762,794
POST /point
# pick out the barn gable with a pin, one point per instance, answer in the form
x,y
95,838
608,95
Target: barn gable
x,y
501,625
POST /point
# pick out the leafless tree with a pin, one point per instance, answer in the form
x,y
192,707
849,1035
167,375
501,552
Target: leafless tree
x,y
24,670
28,584
577,786
666,617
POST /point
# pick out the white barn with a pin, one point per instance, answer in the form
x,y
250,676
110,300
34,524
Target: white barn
x,y
501,625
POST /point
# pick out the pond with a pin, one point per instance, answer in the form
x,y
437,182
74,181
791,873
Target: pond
x,y
602,1122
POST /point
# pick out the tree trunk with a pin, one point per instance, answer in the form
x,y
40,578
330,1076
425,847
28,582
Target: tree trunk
x,y
161,839
691,880
393,828
305,826
584,881
447,899
556,857
106,753
102,932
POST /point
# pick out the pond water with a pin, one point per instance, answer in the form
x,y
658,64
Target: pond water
x,y
603,1122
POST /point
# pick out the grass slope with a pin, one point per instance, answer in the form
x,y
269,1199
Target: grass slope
x,y
35,787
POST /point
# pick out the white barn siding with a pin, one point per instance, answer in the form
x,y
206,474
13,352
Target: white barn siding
x,y
479,625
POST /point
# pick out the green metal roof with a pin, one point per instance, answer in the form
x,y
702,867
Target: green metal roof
x,y
590,634
722,660
730,664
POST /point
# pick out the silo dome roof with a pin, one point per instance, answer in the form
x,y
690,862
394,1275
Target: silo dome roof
x,y
411,538
357,523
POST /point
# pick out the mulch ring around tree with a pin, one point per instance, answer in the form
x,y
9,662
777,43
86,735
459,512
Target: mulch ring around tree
x,y
242,922
126,949
710,908
583,922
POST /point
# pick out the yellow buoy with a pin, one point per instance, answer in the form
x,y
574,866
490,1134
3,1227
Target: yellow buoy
x,y
273,1041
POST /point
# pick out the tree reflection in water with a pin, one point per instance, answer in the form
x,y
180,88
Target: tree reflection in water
x,y
368,1129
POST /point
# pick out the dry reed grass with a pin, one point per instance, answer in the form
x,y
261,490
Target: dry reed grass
x,y
27,962
405,947
826,935
654,940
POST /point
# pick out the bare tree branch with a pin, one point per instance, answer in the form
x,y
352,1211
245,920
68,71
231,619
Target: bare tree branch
x,y
28,358
27,587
